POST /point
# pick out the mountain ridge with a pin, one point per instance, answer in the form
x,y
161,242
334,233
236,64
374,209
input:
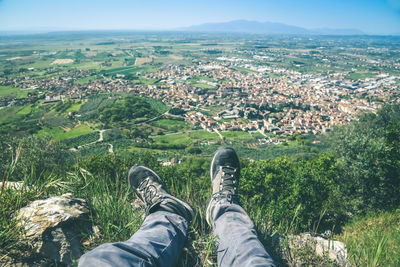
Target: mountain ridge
x,y
247,26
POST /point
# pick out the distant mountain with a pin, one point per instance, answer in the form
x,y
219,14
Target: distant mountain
x,y
245,26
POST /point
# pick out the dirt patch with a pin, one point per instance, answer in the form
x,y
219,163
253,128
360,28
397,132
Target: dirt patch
x,y
13,58
90,53
175,57
62,61
142,60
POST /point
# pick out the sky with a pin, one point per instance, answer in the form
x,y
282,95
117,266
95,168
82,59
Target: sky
x,y
370,16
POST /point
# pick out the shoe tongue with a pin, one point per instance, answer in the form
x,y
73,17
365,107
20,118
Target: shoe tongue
x,y
141,175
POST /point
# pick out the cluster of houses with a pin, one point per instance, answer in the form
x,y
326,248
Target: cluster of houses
x,y
284,104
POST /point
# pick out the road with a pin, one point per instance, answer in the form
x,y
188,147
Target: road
x,y
220,135
111,149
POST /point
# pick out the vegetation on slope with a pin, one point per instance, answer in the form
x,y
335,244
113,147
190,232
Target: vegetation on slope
x,y
358,175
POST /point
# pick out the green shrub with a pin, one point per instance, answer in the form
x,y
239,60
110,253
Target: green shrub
x,y
368,155
291,193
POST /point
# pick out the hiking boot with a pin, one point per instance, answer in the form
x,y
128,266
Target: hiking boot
x,y
224,172
152,191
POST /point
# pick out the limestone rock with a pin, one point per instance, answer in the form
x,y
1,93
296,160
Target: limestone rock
x,y
334,250
295,245
12,185
53,227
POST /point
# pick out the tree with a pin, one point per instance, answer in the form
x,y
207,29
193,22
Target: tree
x,y
369,159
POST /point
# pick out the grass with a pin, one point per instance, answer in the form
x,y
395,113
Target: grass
x,y
157,105
12,91
171,125
204,135
213,110
373,240
186,138
9,114
25,110
86,80
74,107
359,75
257,135
203,86
59,134
174,139
236,135
127,70
101,181
86,65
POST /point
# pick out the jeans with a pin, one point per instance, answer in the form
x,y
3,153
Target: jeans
x,y
160,240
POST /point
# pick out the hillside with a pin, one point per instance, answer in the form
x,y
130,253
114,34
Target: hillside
x,y
77,110
353,181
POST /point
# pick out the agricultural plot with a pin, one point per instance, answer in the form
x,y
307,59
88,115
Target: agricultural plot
x,y
126,70
60,134
10,91
10,114
236,135
173,139
187,138
171,125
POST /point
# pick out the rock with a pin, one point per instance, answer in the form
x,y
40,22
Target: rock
x,y
53,227
12,185
139,207
295,245
334,250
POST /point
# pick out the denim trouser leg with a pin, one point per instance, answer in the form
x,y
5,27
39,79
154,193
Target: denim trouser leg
x,y
237,242
158,242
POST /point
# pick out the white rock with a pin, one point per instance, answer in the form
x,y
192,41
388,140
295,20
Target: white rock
x,y
53,227
334,250
291,248
12,185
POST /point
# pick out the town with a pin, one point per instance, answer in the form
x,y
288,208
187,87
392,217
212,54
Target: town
x,y
253,94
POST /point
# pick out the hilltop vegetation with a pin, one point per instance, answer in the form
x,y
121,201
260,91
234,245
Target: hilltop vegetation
x,y
129,108
77,110
357,174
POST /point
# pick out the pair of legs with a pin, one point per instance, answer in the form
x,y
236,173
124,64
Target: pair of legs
x,y
160,239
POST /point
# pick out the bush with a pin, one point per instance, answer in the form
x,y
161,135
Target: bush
x,y
291,194
193,150
131,107
368,155
81,140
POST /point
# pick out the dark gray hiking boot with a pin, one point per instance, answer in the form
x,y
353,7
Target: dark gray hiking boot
x,y
224,172
152,191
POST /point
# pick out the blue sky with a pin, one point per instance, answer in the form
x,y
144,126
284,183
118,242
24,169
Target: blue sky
x,y
370,16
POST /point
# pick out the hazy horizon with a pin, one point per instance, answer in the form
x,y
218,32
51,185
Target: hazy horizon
x,y
372,17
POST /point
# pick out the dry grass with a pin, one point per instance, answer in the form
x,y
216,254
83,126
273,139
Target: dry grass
x,y
61,61
142,60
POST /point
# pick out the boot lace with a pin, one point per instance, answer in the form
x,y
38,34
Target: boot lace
x,y
229,182
147,190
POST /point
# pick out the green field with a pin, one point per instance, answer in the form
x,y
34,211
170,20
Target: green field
x,y
203,86
127,70
186,138
12,91
59,134
25,110
204,135
171,125
236,135
174,139
74,107
360,75
9,113
257,135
